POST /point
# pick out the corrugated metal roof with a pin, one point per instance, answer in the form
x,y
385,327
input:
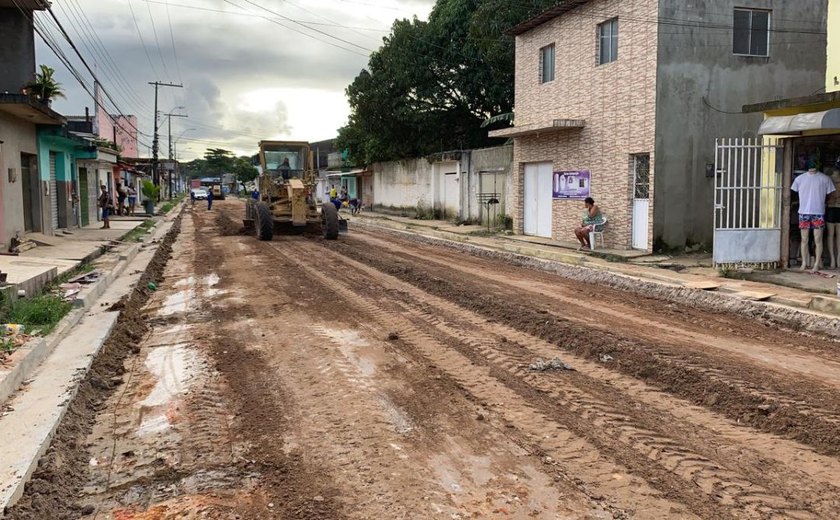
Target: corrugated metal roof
x,y
546,16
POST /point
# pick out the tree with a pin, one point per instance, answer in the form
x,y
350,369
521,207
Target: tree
x,y
244,169
432,84
218,161
45,88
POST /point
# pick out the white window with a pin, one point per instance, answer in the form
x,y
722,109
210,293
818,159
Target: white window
x,y
547,64
751,34
608,41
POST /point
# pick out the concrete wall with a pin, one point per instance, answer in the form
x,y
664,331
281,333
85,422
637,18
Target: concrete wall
x,y
490,172
699,79
615,99
17,52
18,137
403,185
832,71
408,185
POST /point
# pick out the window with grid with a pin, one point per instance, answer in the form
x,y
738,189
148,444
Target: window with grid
x,y
608,41
640,165
547,64
751,32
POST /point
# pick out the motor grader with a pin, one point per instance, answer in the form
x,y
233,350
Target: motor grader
x,y
287,199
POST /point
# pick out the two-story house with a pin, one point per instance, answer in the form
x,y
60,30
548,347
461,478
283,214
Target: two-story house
x,y
622,100
25,199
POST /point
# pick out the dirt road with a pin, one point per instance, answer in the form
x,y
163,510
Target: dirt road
x,y
377,377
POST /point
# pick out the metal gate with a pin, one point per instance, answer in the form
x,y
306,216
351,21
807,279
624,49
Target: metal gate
x,y
53,192
748,202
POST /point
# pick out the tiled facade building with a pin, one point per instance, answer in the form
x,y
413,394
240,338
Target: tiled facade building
x,y
634,92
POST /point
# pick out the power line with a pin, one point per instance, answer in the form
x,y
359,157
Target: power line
x,y
157,41
85,31
172,39
140,35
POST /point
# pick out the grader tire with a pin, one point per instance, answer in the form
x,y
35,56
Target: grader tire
x,y
264,222
329,219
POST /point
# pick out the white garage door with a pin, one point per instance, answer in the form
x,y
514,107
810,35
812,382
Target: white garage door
x,y
538,199
53,193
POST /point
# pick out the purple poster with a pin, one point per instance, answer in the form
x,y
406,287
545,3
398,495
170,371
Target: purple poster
x,y
571,185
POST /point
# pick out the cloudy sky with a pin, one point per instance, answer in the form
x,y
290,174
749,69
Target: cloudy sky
x,y
251,70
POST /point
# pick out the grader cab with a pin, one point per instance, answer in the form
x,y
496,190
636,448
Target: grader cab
x,y
287,199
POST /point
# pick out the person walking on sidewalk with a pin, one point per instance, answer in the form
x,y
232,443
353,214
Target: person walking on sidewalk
x,y
106,203
210,199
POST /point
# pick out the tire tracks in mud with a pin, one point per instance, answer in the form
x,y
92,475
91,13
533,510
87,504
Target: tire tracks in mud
x,y
741,392
714,479
291,487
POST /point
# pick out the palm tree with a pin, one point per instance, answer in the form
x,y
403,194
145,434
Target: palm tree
x,y
45,88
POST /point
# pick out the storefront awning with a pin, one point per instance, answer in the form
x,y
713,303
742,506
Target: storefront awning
x,y
786,125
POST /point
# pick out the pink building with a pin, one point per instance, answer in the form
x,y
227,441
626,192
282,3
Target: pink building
x,y
120,129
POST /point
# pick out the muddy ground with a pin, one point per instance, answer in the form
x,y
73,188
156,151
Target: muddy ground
x,y
380,377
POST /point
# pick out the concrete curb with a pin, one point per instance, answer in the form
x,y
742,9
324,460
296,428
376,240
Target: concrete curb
x,y
779,310
40,348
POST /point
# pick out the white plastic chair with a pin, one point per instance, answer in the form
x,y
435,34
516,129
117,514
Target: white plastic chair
x,y
597,232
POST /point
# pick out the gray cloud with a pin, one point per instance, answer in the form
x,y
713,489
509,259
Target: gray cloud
x,y
224,58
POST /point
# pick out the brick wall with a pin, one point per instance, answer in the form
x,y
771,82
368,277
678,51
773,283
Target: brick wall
x,y
616,99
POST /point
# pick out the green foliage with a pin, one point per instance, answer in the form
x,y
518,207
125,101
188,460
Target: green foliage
x,y
41,312
137,234
45,88
432,84
218,161
150,190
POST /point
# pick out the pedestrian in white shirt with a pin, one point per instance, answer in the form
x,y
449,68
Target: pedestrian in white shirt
x,y
813,188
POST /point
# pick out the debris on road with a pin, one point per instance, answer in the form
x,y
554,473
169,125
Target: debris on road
x,y
605,358
555,364
393,336
87,278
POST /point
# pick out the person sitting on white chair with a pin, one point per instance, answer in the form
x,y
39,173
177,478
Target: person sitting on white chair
x,y
592,220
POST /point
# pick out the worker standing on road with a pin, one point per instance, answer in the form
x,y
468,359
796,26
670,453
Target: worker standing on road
x,y
209,199
192,197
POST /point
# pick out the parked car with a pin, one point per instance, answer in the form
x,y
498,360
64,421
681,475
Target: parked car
x,y
200,193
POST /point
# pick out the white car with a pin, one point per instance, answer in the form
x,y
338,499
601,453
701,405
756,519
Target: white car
x,y
199,193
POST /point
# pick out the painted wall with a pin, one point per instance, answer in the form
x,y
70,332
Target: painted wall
x,y
403,185
68,152
18,137
17,53
126,133
832,71
490,172
615,99
418,185
701,88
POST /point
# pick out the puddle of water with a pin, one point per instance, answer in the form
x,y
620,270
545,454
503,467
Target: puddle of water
x,y
177,303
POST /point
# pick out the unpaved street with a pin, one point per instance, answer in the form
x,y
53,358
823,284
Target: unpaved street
x,y
378,377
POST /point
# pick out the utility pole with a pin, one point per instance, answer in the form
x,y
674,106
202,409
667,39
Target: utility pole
x,y
170,115
155,140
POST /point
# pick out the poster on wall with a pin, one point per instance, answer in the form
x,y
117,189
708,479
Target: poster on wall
x,y
572,185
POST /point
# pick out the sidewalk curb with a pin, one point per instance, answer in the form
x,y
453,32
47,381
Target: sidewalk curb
x,y
816,316
41,348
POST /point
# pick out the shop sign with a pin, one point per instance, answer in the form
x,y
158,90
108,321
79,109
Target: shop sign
x,y
572,185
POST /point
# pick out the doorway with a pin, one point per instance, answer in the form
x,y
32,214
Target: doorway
x,y
84,201
53,192
538,199
640,165
29,184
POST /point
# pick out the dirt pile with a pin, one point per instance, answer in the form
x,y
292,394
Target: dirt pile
x,y
52,491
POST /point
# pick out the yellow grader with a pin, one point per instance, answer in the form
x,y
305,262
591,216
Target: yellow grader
x,y
288,201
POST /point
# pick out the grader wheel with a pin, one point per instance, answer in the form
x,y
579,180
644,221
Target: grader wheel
x,y
329,221
264,222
